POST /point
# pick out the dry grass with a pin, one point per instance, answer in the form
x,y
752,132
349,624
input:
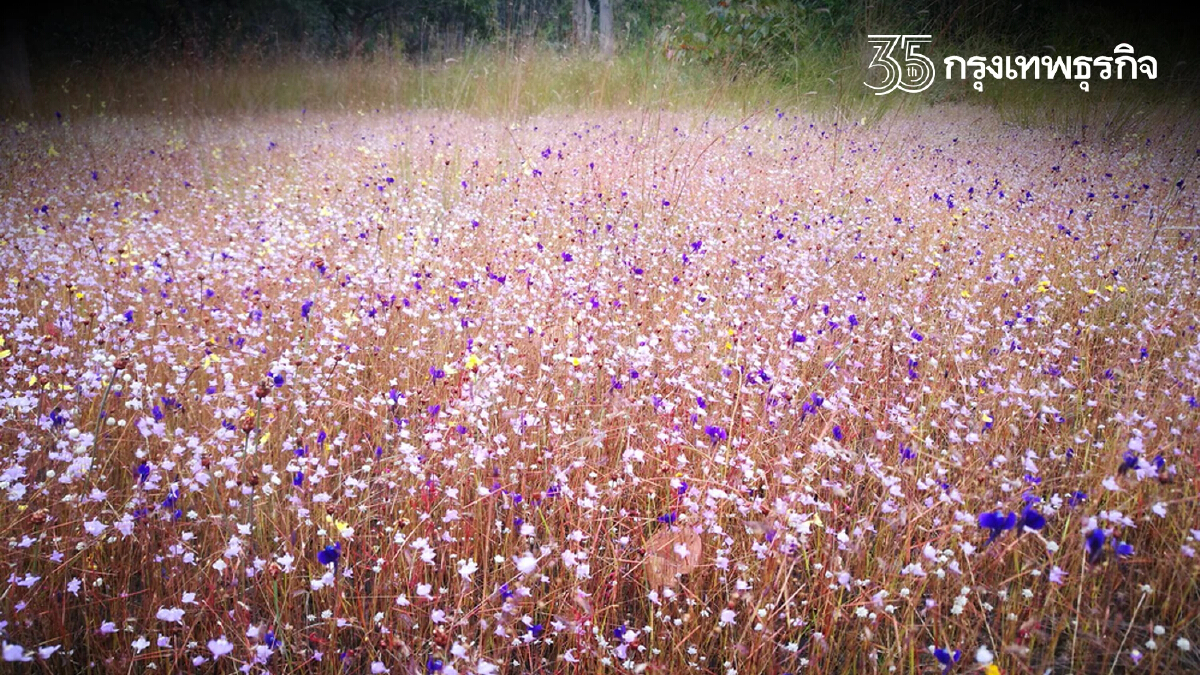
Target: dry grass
x,y
511,381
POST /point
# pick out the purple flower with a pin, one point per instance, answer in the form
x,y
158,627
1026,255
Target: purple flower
x,y
567,257
1128,461
1095,545
330,554
917,336
669,518
997,522
305,308
1123,549
434,665
837,432
715,433
1032,519
946,658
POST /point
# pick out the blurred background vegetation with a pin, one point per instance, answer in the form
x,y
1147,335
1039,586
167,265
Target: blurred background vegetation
x,y
523,56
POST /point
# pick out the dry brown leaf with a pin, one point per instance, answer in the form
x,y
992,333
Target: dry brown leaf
x,y
663,561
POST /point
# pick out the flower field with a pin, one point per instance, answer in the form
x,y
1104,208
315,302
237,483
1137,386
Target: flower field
x,y
637,392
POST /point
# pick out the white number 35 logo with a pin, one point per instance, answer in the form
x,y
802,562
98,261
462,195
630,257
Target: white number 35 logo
x,y
913,74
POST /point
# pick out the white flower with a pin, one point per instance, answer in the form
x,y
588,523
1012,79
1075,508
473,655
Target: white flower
x,y
172,614
527,564
983,655
47,652
728,616
377,668
485,668
467,568
94,527
1183,643
139,645
220,647
15,653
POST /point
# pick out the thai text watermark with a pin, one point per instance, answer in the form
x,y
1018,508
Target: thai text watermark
x,y
904,67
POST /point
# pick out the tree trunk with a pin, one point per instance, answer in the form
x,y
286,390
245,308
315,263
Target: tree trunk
x,y
606,28
583,22
16,90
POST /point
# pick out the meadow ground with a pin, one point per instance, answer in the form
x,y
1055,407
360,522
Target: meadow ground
x,y
614,391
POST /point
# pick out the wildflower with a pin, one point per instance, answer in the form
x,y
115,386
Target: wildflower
x,y
330,554
305,308
46,652
669,518
997,523
467,568
715,433
1031,519
434,665
983,655
1095,545
728,617
916,336
220,647
946,658
1122,549
837,432
13,653
527,564
1057,575
1128,461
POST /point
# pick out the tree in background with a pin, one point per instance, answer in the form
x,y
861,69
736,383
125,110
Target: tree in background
x,y
607,43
